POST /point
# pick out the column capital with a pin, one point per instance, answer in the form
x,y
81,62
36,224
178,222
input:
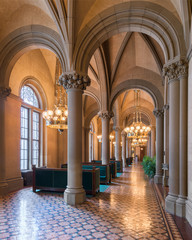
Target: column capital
x,y
105,114
74,80
123,134
158,113
166,107
4,92
117,128
176,70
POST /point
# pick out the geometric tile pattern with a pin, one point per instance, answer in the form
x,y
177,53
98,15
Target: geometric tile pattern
x,y
127,210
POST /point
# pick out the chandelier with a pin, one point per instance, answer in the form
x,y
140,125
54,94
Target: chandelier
x,y
57,117
137,131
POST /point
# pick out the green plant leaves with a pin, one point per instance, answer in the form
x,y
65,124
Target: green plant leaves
x,y
149,166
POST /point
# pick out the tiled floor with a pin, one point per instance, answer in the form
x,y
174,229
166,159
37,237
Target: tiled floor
x,y
128,209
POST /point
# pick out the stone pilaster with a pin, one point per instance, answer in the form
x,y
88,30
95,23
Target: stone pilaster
x,y
177,158
105,117
74,84
4,92
166,146
159,145
183,77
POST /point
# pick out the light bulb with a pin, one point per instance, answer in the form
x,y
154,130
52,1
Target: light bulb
x,y
50,112
66,113
58,112
55,118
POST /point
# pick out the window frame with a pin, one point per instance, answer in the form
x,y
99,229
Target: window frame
x,y
39,110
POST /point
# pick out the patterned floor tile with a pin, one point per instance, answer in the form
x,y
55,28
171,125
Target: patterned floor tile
x,y
128,209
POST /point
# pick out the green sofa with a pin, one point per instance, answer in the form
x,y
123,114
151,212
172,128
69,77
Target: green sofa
x,y
55,179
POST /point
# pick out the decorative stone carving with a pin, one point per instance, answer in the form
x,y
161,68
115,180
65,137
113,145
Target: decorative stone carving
x,y
176,70
4,92
117,129
106,115
166,107
74,80
158,113
124,134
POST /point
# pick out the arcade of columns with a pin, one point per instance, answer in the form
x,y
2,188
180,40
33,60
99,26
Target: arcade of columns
x,y
171,137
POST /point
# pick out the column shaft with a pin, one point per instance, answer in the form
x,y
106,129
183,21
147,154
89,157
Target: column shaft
x,y
95,148
105,140
118,144
124,149
159,145
180,205
153,141
74,193
173,147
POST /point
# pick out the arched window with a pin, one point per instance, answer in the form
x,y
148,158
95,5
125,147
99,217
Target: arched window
x,y
30,128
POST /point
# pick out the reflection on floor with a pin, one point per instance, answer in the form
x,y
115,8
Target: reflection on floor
x,y
128,209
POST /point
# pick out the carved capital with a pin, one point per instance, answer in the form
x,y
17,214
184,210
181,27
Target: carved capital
x,y
182,68
4,92
74,80
176,70
158,113
106,115
166,107
123,134
117,129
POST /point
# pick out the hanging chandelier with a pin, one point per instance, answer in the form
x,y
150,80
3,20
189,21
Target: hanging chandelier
x,y
137,131
57,117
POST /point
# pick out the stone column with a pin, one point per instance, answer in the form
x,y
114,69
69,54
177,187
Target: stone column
x,y
159,145
170,201
90,147
4,92
86,145
74,84
118,144
127,147
181,201
111,148
153,153
124,135
95,148
105,117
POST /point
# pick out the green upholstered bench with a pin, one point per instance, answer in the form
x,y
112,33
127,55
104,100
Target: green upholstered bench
x,y
55,179
119,166
113,167
105,172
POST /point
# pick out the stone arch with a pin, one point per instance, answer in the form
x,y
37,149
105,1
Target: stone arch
x,y
144,17
90,117
88,93
36,85
143,110
140,84
24,39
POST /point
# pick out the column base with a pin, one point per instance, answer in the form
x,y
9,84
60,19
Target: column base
x,y
170,204
165,181
189,211
158,179
3,187
181,206
74,196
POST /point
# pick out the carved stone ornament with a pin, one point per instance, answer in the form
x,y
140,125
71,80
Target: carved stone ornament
x,y
166,107
74,80
176,70
106,115
4,92
158,113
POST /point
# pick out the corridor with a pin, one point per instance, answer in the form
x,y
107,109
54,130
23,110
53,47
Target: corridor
x,y
127,209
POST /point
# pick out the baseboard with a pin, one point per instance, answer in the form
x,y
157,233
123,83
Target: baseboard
x,y
14,184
